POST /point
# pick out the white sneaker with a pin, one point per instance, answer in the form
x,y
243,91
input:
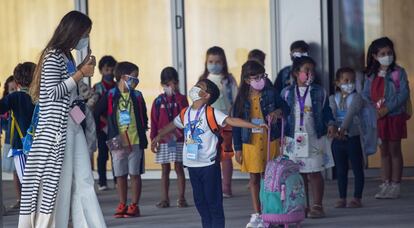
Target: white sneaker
x,y
255,221
384,188
102,188
393,191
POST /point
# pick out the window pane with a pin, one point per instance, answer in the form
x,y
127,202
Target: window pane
x,y
236,26
138,32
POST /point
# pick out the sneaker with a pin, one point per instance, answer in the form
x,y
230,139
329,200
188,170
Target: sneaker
x,y
384,188
133,211
393,191
16,205
227,195
255,221
120,210
102,188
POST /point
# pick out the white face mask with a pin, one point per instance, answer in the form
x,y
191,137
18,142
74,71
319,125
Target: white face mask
x,y
386,60
82,43
195,93
168,90
299,54
348,87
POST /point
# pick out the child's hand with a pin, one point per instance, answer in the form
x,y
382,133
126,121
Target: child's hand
x,y
331,131
382,112
275,115
239,157
341,134
155,144
264,126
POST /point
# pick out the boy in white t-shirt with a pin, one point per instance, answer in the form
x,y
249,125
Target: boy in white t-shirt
x,y
200,152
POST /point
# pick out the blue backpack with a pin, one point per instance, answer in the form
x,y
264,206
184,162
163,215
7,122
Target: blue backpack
x,y
28,139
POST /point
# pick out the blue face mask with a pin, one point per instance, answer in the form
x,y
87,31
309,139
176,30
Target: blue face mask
x,y
108,77
214,68
131,82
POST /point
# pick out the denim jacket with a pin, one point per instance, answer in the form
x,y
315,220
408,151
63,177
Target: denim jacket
x,y
283,79
270,101
395,98
322,113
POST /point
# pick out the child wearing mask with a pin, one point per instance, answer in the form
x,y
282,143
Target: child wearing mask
x,y
216,70
165,107
346,105
308,125
284,78
106,67
256,100
201,125
127,126
8,163
20,107
387,88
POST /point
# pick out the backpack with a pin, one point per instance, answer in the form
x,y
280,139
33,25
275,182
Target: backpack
x,y
27,140
396,77
282,191
212,124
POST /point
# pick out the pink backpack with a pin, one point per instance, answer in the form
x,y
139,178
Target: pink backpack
x,y
282,191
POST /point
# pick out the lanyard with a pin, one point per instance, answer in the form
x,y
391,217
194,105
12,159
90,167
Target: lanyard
x,y
192,128
301,100
169,107
127,103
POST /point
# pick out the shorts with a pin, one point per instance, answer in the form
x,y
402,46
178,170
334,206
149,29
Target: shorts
x,y
124,162
164,156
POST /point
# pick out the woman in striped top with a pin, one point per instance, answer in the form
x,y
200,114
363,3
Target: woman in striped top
x,y
58,175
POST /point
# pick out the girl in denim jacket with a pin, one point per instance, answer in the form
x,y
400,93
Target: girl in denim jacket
x,y
308,123
386,87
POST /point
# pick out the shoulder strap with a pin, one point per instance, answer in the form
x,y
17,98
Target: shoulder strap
x,y
182,114
15,123
211,119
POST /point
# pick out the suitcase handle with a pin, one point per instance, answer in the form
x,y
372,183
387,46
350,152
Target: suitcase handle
x,y
282,137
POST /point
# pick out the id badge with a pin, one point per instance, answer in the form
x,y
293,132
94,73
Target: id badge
x,y
192,151
301,145
77,115
124,118
257,122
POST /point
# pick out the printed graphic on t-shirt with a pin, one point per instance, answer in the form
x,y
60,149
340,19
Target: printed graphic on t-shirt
x,y
194,137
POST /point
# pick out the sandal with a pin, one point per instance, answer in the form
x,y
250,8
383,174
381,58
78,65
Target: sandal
x,y
163,204
340,203
181,203
316,211
355,203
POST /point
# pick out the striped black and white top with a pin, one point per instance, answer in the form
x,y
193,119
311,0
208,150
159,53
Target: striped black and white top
x,y
44,163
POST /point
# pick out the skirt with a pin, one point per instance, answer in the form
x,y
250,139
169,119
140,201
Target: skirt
x,y
392,128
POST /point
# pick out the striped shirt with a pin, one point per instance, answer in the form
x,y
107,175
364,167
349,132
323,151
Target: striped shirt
x,y
44,163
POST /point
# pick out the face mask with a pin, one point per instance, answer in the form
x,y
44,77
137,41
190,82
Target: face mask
x,y
214,68
348,87
82,43
303,77
195,93
298,54
131,82
168,90
108,77
386,60
257,85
